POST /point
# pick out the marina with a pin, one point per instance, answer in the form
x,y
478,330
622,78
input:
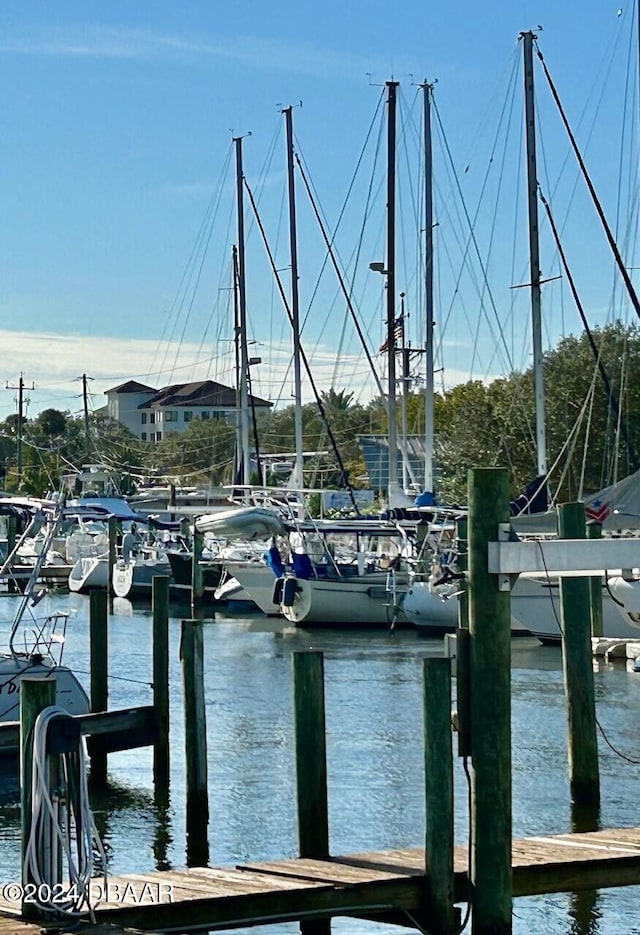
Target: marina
x,y
376,787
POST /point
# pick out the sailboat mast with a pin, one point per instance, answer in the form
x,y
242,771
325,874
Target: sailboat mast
x,y
242,319
297,477
429,389
236,348
391,284
534,253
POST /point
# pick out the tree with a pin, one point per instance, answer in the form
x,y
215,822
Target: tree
x,y
51,422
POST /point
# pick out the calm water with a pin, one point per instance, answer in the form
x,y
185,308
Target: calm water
x,y
374,724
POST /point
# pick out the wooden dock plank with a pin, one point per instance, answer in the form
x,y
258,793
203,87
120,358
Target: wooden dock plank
x,y
335,870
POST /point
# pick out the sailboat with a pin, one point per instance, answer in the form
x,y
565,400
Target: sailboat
x,y
368,586
535,598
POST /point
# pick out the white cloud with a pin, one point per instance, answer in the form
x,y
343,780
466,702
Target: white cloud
x,y
100,41
55,363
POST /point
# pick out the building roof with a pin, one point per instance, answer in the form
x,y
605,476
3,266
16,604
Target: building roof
x,y
132,386
201,393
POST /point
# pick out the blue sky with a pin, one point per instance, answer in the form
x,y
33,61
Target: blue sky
x,y
117,122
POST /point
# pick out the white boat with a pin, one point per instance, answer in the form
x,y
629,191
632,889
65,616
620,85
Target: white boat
x,y
249,581
231,591
370,600
36,647
41,655
88,573
133,574
342,572
536,603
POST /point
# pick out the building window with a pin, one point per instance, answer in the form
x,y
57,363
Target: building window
x,y
205,414
187,415
171,416
152,417
144,418
143,437
158,436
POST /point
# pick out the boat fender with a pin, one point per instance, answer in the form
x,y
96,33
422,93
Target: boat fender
x,y
277,591
289,590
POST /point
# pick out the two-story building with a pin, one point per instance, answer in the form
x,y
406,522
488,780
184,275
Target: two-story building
x,y
150,414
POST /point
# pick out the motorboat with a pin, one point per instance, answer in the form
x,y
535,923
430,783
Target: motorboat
x,y
36,646
135,569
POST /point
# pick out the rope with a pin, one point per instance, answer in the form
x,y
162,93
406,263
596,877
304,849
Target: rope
x,y
62,825
596,201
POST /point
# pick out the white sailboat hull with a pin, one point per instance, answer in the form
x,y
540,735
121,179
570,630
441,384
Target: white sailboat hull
x,y
536,604
358,600
535,607
257,582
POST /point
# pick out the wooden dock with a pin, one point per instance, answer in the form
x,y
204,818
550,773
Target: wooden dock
x,y
386,886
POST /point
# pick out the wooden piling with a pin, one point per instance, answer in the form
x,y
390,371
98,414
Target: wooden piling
x,y
594,531
311,754
99,674
160,604
577,665
311,766
36,694
197,582
463,644
113,538
490,707
438,764
191,656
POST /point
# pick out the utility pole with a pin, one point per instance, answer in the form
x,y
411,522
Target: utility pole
x,y
85,402
20,388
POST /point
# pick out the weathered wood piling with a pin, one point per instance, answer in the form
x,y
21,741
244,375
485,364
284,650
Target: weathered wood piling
x,y
490,707
160,611
575,605
99,667
195,729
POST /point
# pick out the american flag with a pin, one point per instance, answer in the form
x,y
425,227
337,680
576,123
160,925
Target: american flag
x,y
597,510
398,334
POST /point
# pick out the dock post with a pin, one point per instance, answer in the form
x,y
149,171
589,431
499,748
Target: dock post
x,y
99,668
577,666
161,757
36,694
311,766
490,686
438,768
197,584
462,644
195,730
594,531
113,537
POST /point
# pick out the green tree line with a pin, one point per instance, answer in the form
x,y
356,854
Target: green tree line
x,y
476,423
